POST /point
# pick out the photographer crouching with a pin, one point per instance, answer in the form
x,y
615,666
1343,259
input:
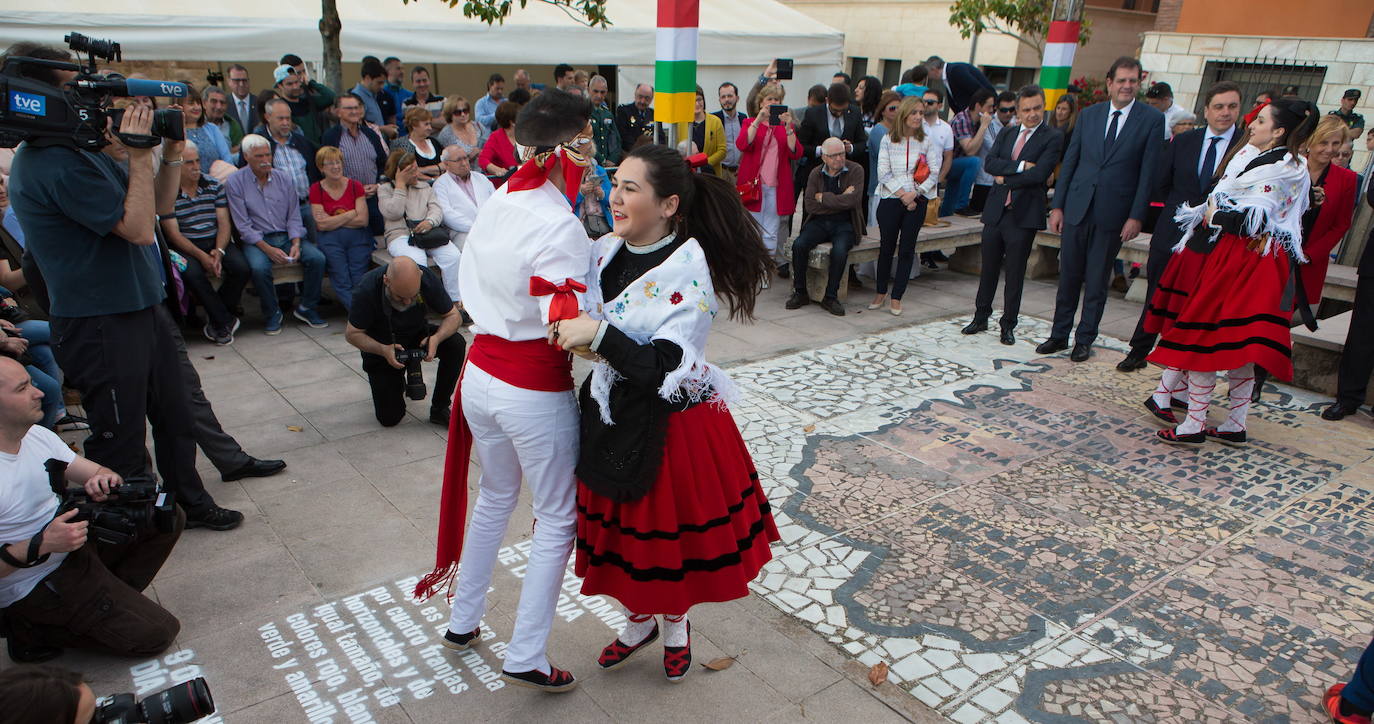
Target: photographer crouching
x,y
387,322
89,224
57,588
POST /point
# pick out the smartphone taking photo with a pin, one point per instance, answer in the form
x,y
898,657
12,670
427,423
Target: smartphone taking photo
x,y
784,68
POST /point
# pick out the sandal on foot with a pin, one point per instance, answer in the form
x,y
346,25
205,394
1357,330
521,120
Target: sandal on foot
x,y
462,642
1235,438
618,652
1160,414
677,660
556,681
1197,439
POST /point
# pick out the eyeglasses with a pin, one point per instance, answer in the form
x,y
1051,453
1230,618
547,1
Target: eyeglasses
x,y
460,110
891,108
930,101
1008,109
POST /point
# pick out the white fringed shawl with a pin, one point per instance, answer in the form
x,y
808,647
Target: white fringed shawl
x,y
674,302
1273,198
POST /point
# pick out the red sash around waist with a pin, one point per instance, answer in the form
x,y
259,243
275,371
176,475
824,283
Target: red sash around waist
x,y
532,365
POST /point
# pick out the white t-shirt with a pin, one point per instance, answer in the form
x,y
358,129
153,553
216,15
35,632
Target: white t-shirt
x,y
27,503
941,133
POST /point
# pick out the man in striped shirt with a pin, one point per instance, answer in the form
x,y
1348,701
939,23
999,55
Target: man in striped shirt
x,y
199,232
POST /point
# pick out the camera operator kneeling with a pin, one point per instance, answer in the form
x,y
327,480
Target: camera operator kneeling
x,y
387,322
57,589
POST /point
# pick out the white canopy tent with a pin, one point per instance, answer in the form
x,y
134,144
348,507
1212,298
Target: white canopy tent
x,y
737,37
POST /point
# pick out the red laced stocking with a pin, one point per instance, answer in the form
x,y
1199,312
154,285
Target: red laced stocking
x,y
1171,385
1242,383
1200,387
637,627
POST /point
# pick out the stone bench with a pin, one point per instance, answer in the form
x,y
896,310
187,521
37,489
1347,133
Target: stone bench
x,y
962,235
1317,355
1044,260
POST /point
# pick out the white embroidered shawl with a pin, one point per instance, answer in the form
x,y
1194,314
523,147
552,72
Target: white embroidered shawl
x,y
1273,198
674,302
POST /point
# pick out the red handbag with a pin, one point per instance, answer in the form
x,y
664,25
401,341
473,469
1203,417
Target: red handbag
x,y
922,170
750,191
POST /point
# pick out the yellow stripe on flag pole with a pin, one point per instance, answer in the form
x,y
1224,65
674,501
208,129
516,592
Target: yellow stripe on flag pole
x,y
675,107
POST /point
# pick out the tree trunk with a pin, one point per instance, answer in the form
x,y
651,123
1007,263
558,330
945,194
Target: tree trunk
x,y
330,28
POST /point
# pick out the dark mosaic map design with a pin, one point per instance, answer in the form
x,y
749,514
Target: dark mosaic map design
x,y
1003,530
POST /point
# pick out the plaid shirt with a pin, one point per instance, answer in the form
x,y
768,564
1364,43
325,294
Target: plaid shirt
x,y
964,127
289,160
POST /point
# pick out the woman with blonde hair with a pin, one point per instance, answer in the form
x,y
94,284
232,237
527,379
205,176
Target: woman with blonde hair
x,y
339,205
769,146
461,128
428,154
908,176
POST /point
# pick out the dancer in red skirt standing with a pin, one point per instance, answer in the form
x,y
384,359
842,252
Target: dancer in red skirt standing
x,y
669,508
1229,310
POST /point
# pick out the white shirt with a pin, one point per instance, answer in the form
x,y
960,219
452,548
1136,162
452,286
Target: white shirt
x,y
27,503
460,205
941,132
1120,121
897,161
518,235
1222,145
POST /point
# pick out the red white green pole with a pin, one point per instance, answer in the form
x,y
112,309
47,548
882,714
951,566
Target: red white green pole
x,y
1060,44
675,66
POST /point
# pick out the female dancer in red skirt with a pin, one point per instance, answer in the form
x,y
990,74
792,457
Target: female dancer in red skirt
x,y
1225,301
669,508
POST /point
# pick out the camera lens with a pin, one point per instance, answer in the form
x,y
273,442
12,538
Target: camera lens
x,y
185,702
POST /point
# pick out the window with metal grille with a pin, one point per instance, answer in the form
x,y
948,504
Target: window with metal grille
x,y
1261,74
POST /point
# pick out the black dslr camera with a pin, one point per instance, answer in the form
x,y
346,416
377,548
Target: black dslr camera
x,y
75,114
185,702
415,378
138,505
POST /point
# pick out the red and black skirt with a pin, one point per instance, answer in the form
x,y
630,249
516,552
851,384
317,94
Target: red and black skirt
x,y
700,534
1176,285
1234,314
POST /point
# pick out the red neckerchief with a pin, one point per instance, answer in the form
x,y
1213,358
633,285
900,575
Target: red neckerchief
x,y
537,170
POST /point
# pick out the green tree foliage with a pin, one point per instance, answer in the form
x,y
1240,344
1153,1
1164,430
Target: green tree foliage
x,y
1025,20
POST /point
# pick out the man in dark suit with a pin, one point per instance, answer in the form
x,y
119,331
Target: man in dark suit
x,y
1021,161
1186,168
836,118
1357,358
243,106
1100,201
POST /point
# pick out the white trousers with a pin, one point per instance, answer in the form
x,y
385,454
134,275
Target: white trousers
x,y
767,217
518,432
445,257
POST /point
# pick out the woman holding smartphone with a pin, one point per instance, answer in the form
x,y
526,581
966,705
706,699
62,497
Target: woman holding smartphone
x,y
769,145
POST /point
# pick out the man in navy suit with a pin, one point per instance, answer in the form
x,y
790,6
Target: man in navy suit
x,y
1021,161
1186,169
1100,202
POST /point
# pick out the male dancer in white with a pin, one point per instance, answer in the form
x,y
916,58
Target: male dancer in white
x,y
523,268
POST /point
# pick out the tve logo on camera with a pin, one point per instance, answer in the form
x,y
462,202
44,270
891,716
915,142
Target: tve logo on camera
x,y
32,104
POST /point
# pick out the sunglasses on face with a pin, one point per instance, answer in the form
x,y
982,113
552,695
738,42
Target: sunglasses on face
x,y
460,110
930,101
1006,110
891,108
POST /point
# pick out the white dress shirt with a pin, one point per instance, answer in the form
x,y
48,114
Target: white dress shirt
x,y
1120,122
519,235
1222,145
461,201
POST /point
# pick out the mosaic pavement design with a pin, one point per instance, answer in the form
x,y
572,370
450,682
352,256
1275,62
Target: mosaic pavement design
x,y
1002,530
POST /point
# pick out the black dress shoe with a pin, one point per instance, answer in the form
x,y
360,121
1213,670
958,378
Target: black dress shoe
x,y
440,416
833,306
255,469
1337,411
1081,352
1131,363
784,271
975,327
797,300
31,653
1052,345
1008,336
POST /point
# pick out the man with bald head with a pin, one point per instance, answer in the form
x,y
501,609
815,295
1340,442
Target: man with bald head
x,y
635,120
832,203
388,316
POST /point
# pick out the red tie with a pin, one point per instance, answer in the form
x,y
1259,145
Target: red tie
x,y
1016,153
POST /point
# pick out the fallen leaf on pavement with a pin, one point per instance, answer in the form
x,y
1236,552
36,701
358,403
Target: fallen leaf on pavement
x,y
720,664
878,674
294,428
809,428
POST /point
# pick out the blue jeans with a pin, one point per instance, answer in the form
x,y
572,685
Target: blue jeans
x,y
347,253
261,268
963,171
39,336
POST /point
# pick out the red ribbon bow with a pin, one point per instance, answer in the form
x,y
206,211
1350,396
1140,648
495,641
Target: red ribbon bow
x,y
564,304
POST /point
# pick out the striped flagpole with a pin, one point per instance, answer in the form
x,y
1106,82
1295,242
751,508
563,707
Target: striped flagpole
x,y
675,67
1060,44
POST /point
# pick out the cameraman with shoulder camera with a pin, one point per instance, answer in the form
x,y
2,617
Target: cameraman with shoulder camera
x,y
387,322
89,224
56,588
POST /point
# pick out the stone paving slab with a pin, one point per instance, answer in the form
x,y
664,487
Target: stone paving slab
x,y
997,527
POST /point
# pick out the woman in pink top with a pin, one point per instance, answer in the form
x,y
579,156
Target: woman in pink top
x,y
768,152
